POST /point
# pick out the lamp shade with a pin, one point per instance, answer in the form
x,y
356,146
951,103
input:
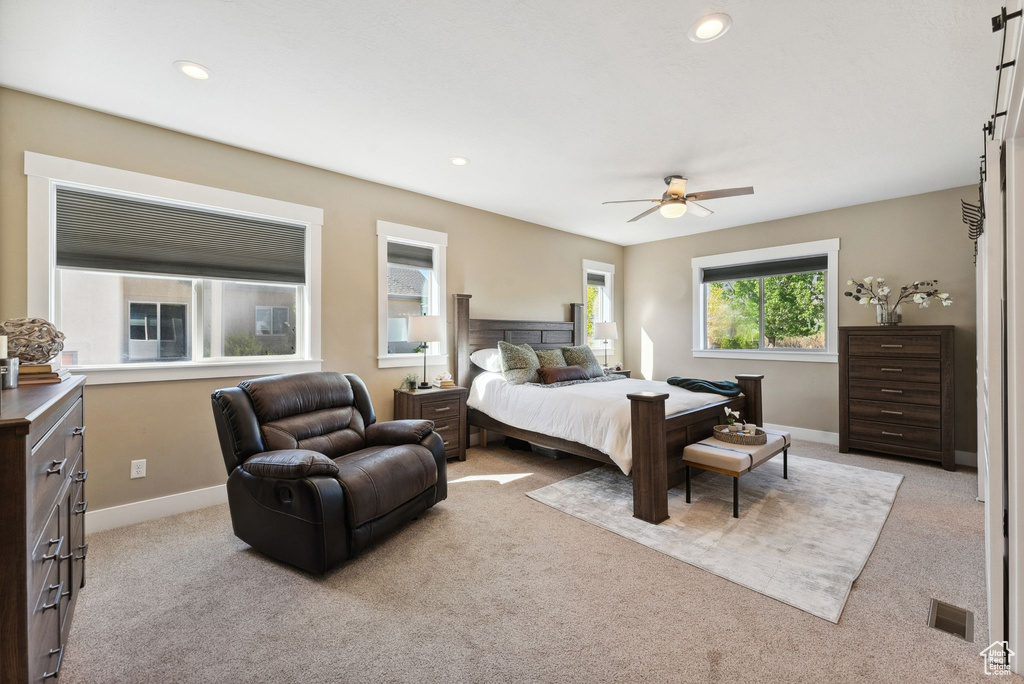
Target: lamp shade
x,y
426,329
606,331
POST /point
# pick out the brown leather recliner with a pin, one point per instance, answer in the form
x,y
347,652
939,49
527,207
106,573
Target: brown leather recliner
x,y
313,479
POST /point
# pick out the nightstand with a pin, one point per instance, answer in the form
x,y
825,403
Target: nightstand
x,y
446,407
612,371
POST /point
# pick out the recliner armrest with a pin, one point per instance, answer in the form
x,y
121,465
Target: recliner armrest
x,y
395,432
290,464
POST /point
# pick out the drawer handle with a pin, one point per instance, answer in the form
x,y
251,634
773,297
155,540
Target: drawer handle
x,y
891,370
80,430
892,413
443,408
60,544
892,434
81,475
891,346
442,429
84,548
81,506
56,601
891,391
446,443
59,652
56,466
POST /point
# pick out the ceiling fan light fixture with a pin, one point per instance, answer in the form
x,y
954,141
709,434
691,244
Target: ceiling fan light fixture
x,y
672,208
710,27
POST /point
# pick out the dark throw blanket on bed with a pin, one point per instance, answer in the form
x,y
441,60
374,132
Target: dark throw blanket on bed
x,y
723,387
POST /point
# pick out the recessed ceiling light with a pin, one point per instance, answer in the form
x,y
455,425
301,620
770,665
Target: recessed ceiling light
x,y
459,161
710,27
193,70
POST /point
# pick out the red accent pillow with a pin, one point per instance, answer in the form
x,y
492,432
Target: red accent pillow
x,y
549,376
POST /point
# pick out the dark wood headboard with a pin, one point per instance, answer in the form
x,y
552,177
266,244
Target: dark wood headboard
x,y
472,334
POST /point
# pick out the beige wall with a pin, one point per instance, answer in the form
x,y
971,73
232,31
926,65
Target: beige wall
x,y
902,240
512,269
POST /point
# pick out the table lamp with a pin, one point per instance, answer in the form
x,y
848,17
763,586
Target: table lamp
x,y
425,329
606,331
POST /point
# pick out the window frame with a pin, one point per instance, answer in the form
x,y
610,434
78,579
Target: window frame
x,y
608,271
45,173
437,351
829,248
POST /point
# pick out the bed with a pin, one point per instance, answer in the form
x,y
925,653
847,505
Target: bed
x,y
590,420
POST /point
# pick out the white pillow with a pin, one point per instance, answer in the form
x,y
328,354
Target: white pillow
x,y
488,359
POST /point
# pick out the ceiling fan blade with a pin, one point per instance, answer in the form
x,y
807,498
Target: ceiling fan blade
x,y
716,194
698,210
624,201
640,216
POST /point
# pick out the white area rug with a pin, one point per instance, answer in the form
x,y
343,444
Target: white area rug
x,y
802,541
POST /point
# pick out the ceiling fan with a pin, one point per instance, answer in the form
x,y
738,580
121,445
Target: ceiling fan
x,y
675,202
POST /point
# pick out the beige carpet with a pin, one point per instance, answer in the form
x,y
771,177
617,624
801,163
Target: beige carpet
x,y
493,586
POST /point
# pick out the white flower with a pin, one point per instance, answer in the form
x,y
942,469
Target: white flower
x,y
944,295
881,280
884,290
920,299
864,301
874,300
924,304
947,302
867,281
849,282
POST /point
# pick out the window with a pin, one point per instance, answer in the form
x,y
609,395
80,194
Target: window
x,y
599,295
272,320
153,279
411,282
775,303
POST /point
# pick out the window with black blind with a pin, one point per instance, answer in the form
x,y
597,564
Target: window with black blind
x,y
144,280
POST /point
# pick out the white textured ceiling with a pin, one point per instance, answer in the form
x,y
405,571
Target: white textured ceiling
x,y
560,105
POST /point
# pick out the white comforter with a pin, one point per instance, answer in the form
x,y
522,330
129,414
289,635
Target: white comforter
x,y
595,413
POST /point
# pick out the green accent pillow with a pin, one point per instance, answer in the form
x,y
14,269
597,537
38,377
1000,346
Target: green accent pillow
x,y
551,358
519,363
584,357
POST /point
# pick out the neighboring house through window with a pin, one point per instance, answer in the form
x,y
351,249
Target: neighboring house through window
x,y
411,282
776,303
599,296
272,320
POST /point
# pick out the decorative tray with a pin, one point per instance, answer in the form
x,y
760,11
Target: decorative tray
x,y
745,438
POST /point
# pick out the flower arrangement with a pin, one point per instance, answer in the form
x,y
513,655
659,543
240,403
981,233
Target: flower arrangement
x,y
731,416
872,290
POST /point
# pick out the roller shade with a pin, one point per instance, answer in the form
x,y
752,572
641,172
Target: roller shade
x,y
765,268
410,255
111,233
595,279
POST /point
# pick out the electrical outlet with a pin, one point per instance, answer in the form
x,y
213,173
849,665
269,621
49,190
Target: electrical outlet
x,y
138,468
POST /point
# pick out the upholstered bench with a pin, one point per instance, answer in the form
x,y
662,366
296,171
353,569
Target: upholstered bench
x,y
735,460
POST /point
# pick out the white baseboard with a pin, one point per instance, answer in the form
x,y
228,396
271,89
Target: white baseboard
x,y
150,509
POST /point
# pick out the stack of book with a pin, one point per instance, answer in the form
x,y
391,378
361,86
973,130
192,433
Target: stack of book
x,y
41,374
444,383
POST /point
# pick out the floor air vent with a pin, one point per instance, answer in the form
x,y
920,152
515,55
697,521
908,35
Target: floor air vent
x,y
956,621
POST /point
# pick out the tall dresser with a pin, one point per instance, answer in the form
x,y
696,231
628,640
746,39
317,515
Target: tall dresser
x,y
42,526
896,391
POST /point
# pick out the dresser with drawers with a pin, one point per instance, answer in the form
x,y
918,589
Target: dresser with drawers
x,y
42,533
896,391
446,407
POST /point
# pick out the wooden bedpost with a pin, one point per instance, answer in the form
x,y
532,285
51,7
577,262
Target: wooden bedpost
x,y
650,460
461,355
750,385
579,329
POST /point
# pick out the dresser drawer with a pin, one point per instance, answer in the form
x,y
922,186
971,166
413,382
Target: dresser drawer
x,y
439,410
892,412
900,392
49,466
901,435
928,346
904,370
449,430
49,547
45,650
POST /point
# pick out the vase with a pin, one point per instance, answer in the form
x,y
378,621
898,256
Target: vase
x,y
885,316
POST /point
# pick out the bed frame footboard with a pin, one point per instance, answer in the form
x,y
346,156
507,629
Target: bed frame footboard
x,y
658,441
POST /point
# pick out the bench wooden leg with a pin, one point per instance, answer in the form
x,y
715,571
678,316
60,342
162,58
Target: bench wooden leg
x,y
687,471
785,464
735,497
483,437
